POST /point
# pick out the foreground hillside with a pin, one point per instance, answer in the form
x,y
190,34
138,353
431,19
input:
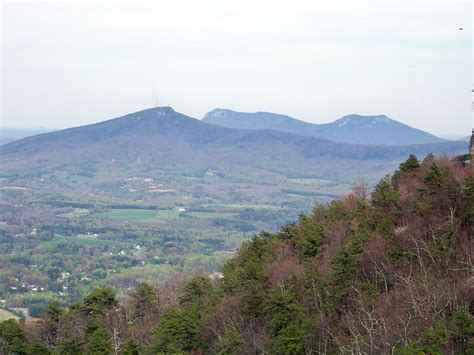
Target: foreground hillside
x,y
389,272
355,129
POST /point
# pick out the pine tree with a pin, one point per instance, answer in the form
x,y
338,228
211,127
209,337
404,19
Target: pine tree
x,y
463,331
99,300
410,164
231,344
38,348
311,237
97,340
195,293
12,338
132,347
288,322
178,331
71,343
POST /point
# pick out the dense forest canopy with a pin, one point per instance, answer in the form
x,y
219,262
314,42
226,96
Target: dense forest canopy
x,y
386,271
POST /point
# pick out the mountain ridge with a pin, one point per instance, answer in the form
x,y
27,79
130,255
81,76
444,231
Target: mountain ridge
x,y
164,127
162,139
353,128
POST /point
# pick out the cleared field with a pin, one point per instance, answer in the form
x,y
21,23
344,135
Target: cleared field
x,y
212,215
138,215
4,315
311,181
76,213
79,179
237,206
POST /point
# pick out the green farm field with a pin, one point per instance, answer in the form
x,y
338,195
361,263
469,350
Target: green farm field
x,y
138,215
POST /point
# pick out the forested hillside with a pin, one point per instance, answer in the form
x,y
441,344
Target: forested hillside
x,y
388,271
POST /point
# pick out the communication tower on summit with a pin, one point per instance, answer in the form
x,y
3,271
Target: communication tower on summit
x,y
155,98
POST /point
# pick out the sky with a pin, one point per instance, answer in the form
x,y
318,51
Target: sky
x,y
69,63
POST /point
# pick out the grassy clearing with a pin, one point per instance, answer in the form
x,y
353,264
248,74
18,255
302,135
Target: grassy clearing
x,y
310,181
79,179
4,315
82,240
237,206
76,213
212,215
137,215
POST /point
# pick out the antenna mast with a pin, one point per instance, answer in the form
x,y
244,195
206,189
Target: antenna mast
x,y
156,97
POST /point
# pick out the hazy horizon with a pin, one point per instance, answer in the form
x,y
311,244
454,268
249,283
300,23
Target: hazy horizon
x,y
70,63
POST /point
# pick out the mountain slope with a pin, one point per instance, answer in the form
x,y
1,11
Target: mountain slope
x,y
8,134
163,136
261,120
275,167
373,130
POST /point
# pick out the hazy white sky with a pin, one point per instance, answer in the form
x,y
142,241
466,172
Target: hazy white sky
x,y
68,63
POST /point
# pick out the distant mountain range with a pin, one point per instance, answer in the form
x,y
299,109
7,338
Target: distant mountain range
x,y
357,129
165,139
10,134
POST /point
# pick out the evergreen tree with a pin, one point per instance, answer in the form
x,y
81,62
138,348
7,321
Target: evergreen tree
x,y
96,339
384,197
410,164
54,311
195,293
288,322
344,266
311,237
71,342
132,347
231,344
38,348
178,331
434,177
99,300
463,331
12,338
